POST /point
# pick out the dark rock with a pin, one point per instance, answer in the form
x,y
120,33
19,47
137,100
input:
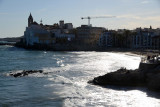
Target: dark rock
x,y
124,77
17,74
153,81
25,73
121,77
40,71
45,73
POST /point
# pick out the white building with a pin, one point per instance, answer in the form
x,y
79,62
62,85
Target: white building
x,y
35,34
44,34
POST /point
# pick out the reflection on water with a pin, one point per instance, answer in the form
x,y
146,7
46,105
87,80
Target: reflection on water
x,y
65,80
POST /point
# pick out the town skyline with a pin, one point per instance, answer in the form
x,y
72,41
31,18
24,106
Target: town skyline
x,y
129,14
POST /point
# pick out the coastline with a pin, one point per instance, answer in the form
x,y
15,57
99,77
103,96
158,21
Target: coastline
x,y
76,47
123,77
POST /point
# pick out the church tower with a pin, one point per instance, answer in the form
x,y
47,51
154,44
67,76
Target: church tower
x,y
30,20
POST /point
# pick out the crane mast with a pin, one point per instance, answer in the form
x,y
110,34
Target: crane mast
x,y
89,18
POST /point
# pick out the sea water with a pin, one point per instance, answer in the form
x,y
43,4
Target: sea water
x,y
65,77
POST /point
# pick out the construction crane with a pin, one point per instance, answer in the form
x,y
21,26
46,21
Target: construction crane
x,y
89,18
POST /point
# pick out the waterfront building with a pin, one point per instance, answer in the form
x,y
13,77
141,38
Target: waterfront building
x,y
47,34
156,39
106,39
146,38
143,38
122,38
156,42
88,35
35,34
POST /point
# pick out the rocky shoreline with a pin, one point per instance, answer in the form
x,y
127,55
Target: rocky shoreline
x,y
146,77
140,77
25,73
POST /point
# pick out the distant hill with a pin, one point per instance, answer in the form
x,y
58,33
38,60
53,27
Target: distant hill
x,y
11,39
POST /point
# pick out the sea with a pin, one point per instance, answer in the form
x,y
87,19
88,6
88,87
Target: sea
x,y
65,77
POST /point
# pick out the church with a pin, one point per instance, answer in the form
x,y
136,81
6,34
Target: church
x,y
46,34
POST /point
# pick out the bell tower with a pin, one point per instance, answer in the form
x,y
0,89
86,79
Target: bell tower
x,y
30,20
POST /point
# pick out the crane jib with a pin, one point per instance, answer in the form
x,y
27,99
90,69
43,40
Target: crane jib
x,y
89,18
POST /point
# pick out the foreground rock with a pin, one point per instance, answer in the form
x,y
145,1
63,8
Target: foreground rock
x,y
25,73
124,77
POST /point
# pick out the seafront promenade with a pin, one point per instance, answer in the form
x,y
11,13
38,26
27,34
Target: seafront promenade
x,y
77,47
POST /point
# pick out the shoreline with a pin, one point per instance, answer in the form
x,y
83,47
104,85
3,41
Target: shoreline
x,y
127,77
141,52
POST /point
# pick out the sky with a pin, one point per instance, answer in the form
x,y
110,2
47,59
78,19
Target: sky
x,y
130,14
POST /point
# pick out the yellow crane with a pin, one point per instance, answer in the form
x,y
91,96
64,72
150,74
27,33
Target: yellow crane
x,y
89,18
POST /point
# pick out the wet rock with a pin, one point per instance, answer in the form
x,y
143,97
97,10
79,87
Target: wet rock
x,y
153,81
45,73
25,73
17,74
124,77
40,71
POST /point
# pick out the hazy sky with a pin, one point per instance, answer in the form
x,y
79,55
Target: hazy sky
x,y
129,13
